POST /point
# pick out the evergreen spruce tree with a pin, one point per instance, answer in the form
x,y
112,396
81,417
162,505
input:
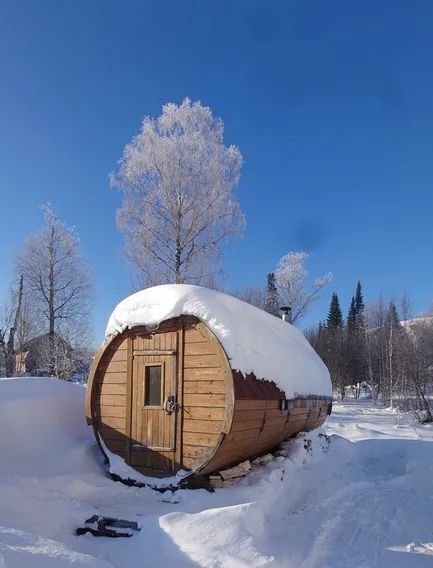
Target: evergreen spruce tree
x,y
351,317
392,317
356,346
335,316
331,346
359,300
271,297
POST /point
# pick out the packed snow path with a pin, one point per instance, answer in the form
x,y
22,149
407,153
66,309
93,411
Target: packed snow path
x,y
365,502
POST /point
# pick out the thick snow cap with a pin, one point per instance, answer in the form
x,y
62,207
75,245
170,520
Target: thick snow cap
x,y
253,340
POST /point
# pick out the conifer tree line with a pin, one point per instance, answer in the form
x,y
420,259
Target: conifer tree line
x,y
378,348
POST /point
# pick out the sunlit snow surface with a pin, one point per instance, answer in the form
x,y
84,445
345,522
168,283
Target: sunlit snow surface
x,y
253,339
366,502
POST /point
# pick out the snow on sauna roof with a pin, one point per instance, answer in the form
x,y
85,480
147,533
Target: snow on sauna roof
x,y
254,340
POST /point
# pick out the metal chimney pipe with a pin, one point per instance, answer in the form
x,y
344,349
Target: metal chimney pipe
x,y
287,313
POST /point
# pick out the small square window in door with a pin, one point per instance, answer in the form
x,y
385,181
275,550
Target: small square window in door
x,y
153,385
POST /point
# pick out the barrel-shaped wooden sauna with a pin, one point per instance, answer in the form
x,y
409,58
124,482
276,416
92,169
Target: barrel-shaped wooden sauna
x,y
190,380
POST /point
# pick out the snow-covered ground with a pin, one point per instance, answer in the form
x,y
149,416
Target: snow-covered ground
x,y
366,501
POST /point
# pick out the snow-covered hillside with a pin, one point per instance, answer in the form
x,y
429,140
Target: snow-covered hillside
x,y
364,501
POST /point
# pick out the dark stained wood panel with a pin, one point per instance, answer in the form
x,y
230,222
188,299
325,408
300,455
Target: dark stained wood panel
x,y
112,433
250,405
249,387
253,414
259,425
116,446
242,425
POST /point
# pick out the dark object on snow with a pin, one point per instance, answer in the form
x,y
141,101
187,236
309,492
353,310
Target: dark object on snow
x,y
101,524
129,482
187,483
132,483
102,532
197,483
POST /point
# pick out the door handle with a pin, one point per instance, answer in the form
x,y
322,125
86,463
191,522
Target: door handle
x,y
170,404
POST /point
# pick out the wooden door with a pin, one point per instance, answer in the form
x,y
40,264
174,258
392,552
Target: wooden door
x,y
154,411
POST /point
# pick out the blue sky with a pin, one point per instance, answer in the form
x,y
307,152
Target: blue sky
x,y
331,104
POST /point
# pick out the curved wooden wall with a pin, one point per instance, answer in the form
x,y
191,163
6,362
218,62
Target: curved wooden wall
x,y
225,418
207,395
108,396
259,424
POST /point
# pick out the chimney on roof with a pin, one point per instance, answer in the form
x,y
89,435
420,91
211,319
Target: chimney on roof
x,y
287,313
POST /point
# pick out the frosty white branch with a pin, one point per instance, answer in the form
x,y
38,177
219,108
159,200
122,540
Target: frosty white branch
x,y
178,181
291,280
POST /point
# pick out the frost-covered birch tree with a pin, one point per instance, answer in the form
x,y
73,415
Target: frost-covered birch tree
x,y
292,283
57,281
178,183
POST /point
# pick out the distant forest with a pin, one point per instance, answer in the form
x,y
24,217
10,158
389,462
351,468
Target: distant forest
x,y
381,347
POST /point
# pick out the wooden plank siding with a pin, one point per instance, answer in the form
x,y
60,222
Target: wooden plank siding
x,y
109,394
260,425
204,387
202,377
205,397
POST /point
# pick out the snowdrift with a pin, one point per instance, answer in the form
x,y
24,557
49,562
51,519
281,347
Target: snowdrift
x,y
360,500
42,426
